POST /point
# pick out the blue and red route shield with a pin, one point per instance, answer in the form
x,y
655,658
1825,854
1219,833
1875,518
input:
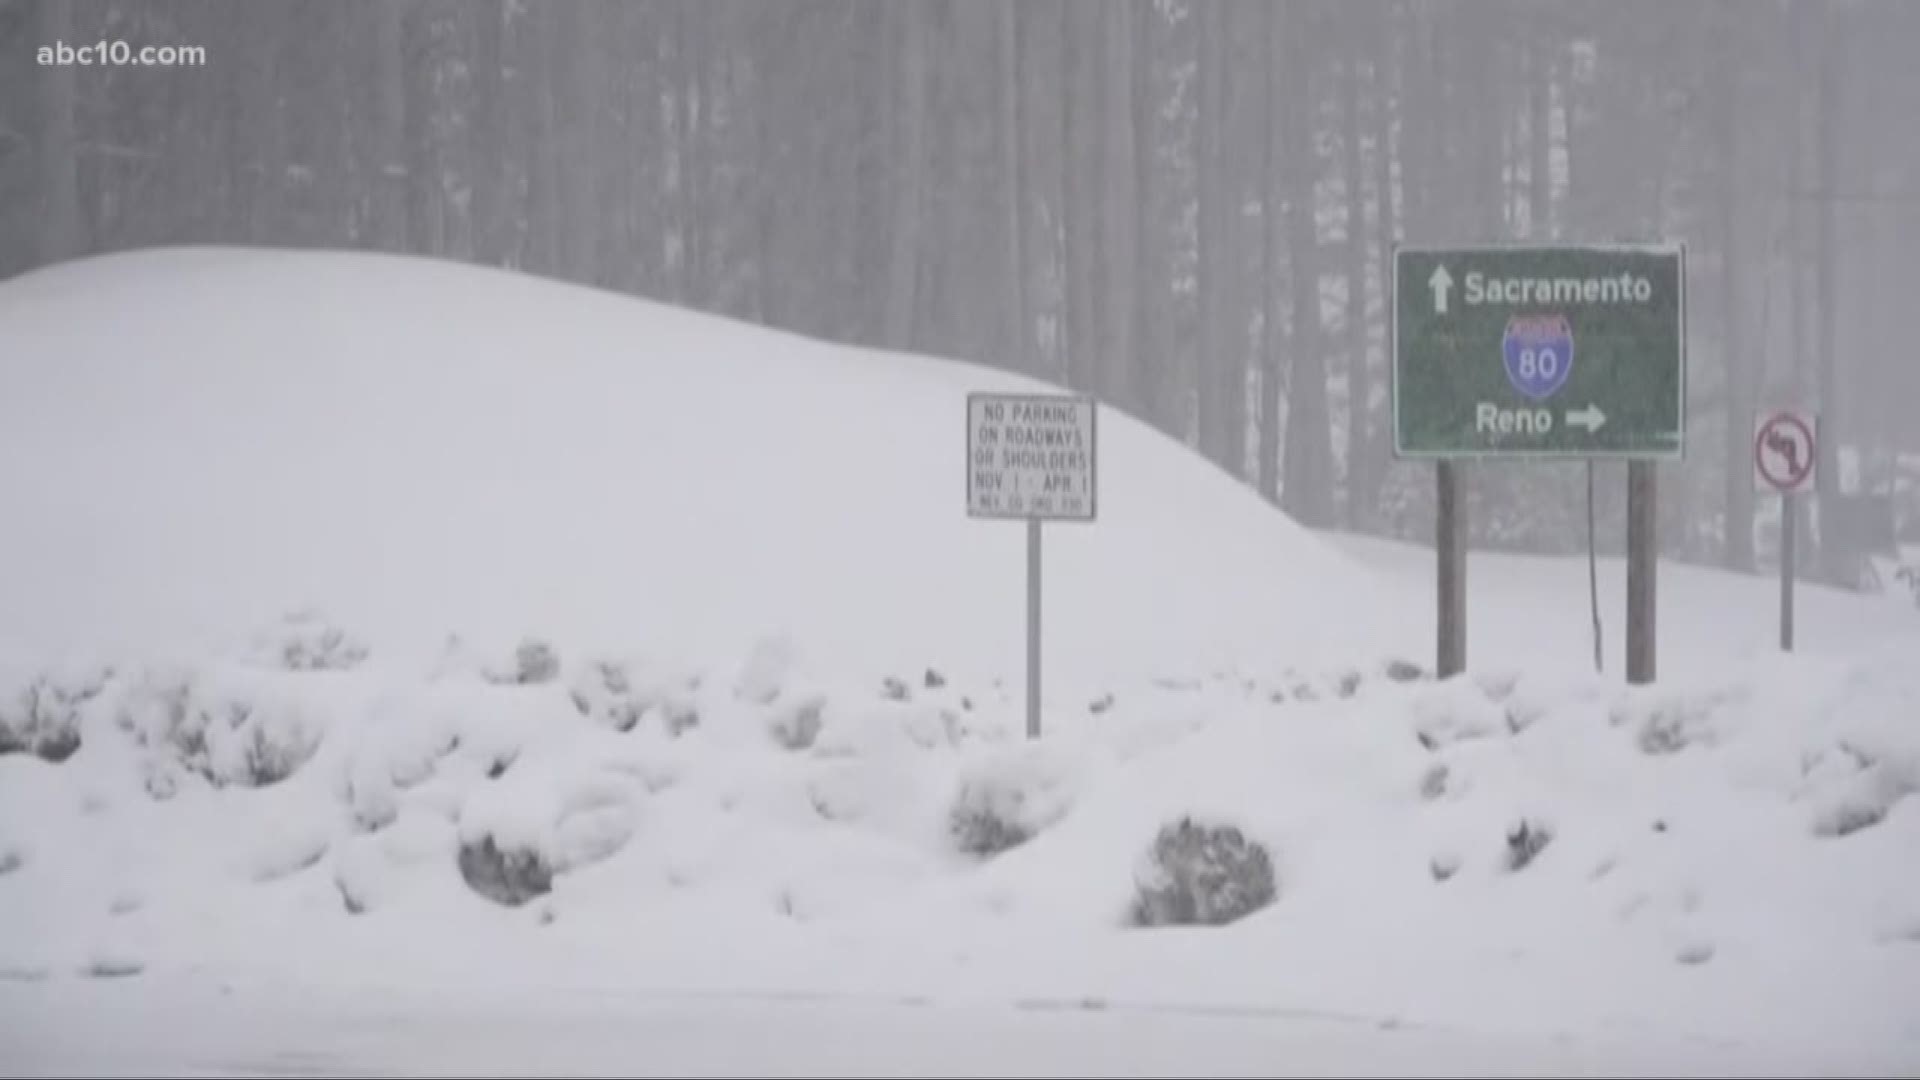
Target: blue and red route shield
x,y
1538,351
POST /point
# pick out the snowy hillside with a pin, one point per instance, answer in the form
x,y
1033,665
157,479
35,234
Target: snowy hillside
x,y
423,450
734,710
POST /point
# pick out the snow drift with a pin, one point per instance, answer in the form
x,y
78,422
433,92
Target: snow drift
x,y
194,442
1730,857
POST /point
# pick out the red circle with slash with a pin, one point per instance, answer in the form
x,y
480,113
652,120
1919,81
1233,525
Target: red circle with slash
x,y
1803,438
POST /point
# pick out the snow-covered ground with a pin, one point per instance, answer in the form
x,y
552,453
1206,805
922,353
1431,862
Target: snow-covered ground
x,y
1535,612
264,1030
658,711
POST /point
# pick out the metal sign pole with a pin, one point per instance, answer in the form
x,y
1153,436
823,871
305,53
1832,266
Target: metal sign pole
x,y
1643,560
1450,546
1593,582
1789,511
1033,628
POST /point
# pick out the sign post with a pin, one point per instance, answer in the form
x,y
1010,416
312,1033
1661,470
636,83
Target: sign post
x,y
1784,459
1512,352
1031,457
1643,553
1450,554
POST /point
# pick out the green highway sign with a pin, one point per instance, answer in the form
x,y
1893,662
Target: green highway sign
x,y
1509,351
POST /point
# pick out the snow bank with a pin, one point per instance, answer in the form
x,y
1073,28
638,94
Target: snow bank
x,y
1705,857
422,449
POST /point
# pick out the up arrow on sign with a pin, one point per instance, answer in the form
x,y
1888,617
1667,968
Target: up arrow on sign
x,y
1441,282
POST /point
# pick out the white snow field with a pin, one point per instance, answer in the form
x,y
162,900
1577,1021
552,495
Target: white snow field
x,y
200,440
418,670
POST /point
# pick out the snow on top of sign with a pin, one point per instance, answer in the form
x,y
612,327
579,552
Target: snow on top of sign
x,y
1628,247
194,443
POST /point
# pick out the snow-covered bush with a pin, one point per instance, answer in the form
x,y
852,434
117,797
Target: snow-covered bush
x,y
1526,840
535,661
1202,875
227,735
765,671
1669,723
560,809
607,692
532,662
506,877
677,714
1454,712
1009,797
796,724
1908,574
1404,671
41,715
1349,684
1847,818
1496,685
1865,798
306,641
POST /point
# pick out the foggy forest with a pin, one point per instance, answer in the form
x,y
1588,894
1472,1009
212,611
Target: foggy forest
x,y
1185,207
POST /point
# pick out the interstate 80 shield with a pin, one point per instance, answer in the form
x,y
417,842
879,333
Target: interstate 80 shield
x,y
1538,352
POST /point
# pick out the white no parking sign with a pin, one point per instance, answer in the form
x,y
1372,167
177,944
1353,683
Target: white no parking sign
x,y
1031,457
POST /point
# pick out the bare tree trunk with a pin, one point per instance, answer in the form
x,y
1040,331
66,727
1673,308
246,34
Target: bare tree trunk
x,y
1799,297
1388,101
1219,350
419,147
1834,555
1019,334
1359,387
690,123
768,75
1308,491
261,150
1121,254
543,167
1081,22
59,168
491,178
1157,374
1737,525
1273,341
903,274
1540,141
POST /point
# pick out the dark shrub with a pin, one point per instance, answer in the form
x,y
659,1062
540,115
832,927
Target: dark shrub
x,y
508,878
1525,841
42,717
1203,875
796,726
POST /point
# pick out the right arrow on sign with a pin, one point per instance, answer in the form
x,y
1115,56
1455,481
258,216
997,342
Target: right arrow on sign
x,y
1441,281
1590,418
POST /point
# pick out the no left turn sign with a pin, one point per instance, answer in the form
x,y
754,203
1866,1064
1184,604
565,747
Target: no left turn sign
x,y
1783,451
